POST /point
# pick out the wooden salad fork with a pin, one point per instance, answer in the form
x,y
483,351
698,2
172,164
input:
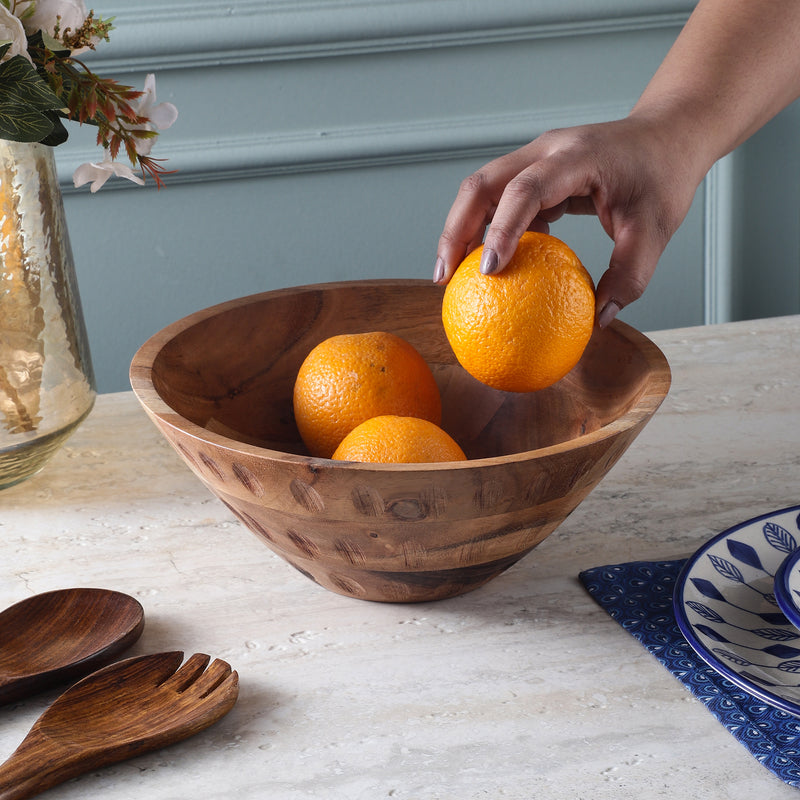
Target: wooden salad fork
x,y
123,710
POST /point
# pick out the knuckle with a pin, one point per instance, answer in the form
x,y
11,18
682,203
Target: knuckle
x,y
528,185
501,236
569,143
627,283
450,238
636,286
475,184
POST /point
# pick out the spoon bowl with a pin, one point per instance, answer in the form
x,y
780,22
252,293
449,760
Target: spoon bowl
x,y
58,636
120,711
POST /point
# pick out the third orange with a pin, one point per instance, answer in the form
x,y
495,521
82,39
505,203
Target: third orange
x,y
391,439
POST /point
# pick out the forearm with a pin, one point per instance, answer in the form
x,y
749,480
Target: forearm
x,y
734,66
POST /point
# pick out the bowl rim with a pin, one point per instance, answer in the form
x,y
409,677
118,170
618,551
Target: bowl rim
x,y
783,589
141,372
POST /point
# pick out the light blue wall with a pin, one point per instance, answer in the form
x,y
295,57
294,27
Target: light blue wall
x,y
326,140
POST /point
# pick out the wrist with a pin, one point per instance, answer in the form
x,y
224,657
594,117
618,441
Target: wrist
x,y
681,136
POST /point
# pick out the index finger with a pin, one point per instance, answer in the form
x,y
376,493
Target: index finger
x,y
545,184
473,209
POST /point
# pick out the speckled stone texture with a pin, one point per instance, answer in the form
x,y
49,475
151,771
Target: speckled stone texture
x,y
523,688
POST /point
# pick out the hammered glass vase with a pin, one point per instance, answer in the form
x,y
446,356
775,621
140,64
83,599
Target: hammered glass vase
x,y
47,384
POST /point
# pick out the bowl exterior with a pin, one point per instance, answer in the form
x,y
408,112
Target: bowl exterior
x,y
399,535
401,532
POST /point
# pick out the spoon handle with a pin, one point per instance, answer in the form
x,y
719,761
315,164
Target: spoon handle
x,y
37,764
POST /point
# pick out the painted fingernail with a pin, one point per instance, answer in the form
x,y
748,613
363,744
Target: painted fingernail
x,y
607,313
438,270
490,263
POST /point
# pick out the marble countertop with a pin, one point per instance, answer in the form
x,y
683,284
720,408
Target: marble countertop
x,y
524,688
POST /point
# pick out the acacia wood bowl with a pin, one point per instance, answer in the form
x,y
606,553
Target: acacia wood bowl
x,y
218,385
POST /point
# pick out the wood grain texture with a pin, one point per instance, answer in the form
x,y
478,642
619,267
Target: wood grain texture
x,y
218,385
118,712
58,636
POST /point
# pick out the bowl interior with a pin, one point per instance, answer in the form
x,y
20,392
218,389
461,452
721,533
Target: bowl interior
x,y
231,369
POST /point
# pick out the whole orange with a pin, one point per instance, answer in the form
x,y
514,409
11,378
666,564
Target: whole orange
x,y
526,327
352,377
392,439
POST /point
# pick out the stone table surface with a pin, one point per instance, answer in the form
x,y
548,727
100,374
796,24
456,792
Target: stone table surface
x,y
524,688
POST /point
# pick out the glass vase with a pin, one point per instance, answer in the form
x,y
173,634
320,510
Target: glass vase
x,y
47,383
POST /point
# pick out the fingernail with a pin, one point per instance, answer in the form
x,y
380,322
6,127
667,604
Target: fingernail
x,y
607,313
490,263
438,270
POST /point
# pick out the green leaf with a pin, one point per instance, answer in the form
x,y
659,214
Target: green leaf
x,y
44,39
21,123
20,83
4,48
59,134
28,106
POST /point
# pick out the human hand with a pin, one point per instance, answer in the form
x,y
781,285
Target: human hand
x,y
632,174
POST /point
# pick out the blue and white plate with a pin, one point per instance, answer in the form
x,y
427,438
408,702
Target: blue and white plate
x,y
787,588
725,606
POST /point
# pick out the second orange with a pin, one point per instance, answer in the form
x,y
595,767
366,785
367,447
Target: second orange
x,y
352,377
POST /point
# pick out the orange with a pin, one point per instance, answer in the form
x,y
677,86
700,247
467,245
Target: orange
x,y
352,377
526,327
398,440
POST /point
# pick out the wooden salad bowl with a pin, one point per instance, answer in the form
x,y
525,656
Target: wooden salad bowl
x,y
218,385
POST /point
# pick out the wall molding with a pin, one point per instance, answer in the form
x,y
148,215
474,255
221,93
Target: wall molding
x,y
182,33
717,242
154,35
263,154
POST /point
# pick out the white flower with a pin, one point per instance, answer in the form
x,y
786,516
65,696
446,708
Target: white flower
x,y
98,174
11,30
161,115
46,14
158,115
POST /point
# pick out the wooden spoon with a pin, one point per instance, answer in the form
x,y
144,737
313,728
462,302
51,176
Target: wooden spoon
x,y
62,635
123,710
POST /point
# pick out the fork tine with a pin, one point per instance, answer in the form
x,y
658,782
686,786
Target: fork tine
x,y
224,695
142,672
187,674
213,677
80,731
210,698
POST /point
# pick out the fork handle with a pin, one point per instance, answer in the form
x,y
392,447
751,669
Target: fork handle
x,y
37,764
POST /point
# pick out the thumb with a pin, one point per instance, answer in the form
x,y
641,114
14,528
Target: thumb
x,y
632,264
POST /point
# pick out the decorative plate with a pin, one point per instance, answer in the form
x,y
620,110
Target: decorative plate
x,y
787,588
725,606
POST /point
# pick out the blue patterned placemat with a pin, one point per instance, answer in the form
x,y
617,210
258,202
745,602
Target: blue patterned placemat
x,y
639,597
